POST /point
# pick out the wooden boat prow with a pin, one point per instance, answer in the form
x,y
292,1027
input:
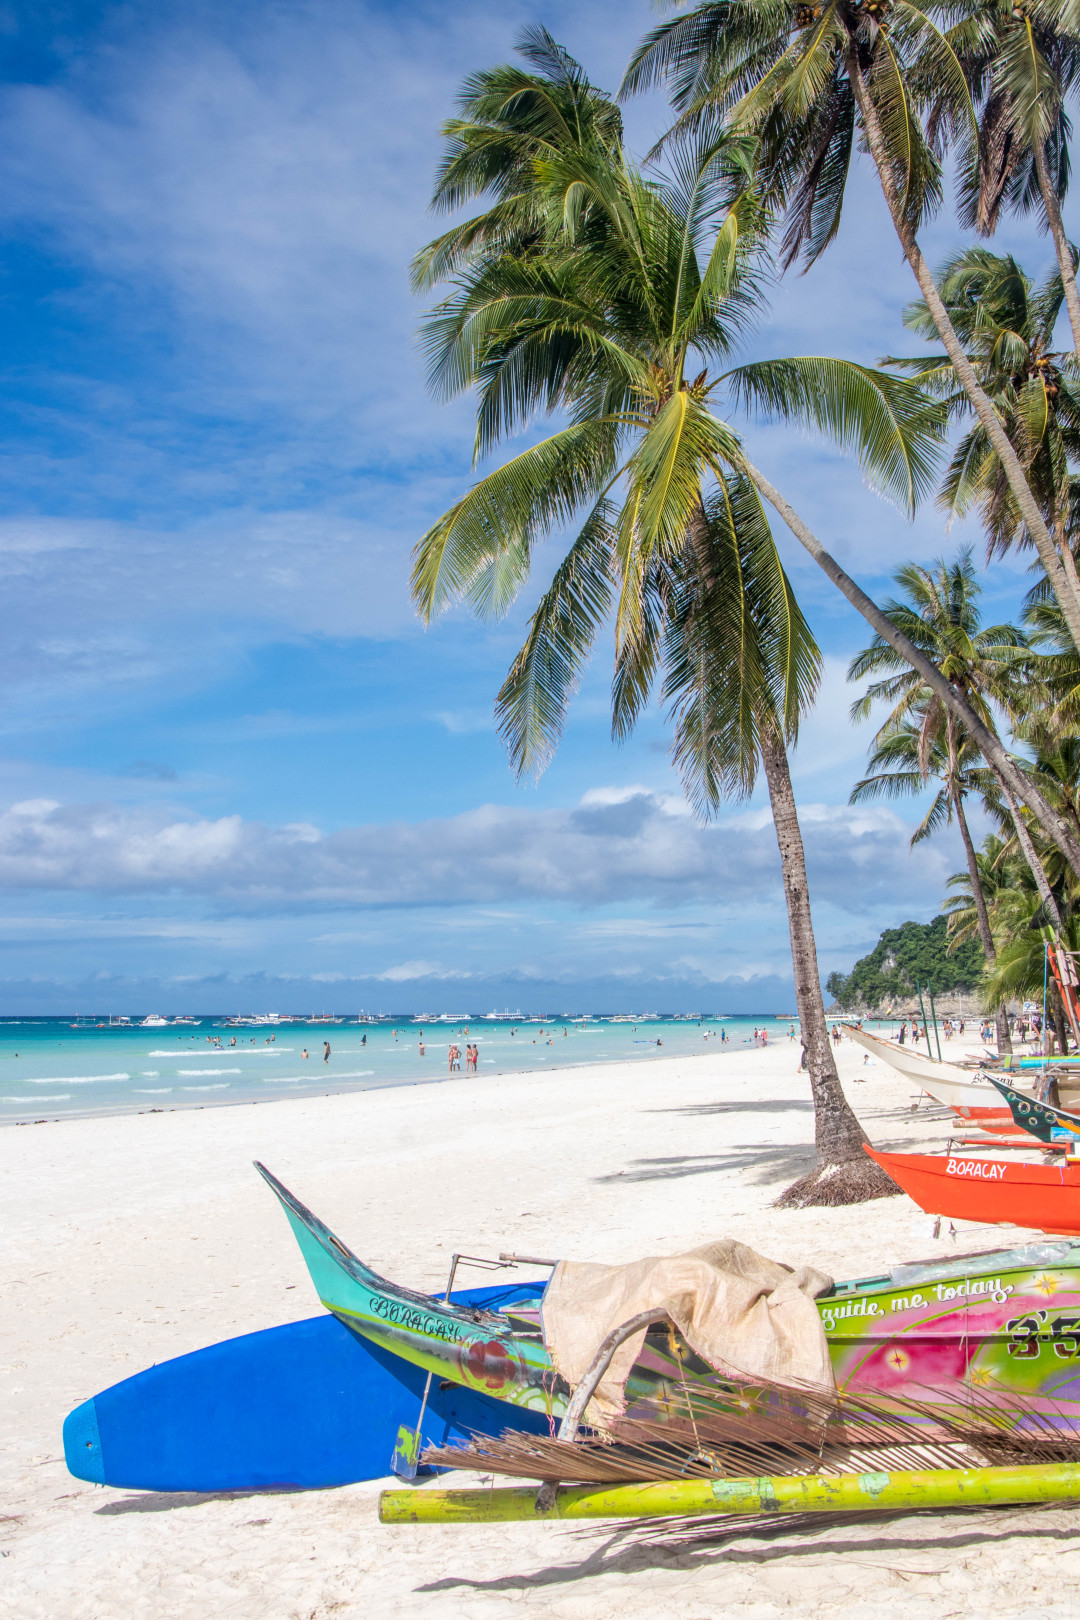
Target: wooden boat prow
x,y
481,1350
913,1064
1045,1123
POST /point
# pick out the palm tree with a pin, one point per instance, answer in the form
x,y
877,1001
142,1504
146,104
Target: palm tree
x,y
621,291
1056,769
1021,62
1020,971
805,79
920,738
1006,325
721,631
996,869
535,332
905,756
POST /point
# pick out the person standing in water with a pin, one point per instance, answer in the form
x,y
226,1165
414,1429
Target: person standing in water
x,y
326,1051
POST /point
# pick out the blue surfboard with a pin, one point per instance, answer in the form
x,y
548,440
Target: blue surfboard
x,y
305,1405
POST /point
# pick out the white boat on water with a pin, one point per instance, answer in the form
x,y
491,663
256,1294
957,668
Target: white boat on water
x,y
154,1021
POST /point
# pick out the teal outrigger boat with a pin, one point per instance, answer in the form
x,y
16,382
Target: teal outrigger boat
x,y
965,1328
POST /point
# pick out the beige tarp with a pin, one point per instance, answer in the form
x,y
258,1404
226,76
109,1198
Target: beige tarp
x,y
741,1313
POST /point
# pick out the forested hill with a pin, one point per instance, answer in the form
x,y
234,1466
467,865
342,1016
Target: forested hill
x,y
903,958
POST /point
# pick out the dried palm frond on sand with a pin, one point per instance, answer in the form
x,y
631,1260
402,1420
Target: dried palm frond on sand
x,y
774,1429
744,1456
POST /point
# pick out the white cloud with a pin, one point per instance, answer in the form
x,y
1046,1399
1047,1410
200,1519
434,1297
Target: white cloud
x,y
404,972
603,851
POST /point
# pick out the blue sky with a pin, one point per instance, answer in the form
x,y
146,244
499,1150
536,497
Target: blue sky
x,y
234,772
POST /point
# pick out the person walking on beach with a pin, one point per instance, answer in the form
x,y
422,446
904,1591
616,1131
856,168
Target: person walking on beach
x,y
326,1051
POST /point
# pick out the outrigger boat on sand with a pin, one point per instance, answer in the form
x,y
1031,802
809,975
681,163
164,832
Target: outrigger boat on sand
x,y
1045,1123
1000,1322
970,1095
1044,1197
912,1063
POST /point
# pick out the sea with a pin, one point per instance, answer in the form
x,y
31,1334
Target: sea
x,y
56,1068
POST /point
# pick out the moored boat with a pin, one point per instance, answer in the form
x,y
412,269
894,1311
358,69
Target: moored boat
x,y
940,1329
1045,1123
975,1104
970,1094
912,1063
1043,1197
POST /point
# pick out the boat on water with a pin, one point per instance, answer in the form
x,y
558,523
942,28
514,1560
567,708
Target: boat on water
x,y
154,1021
996,1322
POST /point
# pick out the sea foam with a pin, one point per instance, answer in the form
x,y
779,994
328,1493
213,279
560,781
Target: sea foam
x,y
75,1079
59,1096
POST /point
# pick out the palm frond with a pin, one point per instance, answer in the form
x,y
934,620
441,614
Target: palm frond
x,y
893,428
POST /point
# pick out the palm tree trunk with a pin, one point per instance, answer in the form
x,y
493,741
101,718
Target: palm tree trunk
x,y
1061,242
1053,825
1004,1039
1035,866
843,1173
1034,522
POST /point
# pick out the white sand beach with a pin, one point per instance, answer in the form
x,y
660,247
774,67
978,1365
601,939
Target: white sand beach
x,y
130,1240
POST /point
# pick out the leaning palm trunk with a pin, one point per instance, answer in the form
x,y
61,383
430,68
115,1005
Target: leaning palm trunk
x,y
1035,866
843,1173
1066,594
986,937
1055,826
1061,242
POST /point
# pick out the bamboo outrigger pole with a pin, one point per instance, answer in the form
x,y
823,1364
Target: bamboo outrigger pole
x,y
786,1493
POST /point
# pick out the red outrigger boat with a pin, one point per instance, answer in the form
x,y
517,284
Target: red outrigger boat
x,y
1044,1197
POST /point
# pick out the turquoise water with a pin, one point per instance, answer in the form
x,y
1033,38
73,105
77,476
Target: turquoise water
x,y
51,1068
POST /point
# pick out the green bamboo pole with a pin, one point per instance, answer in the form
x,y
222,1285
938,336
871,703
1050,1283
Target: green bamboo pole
x,y
807,1493
937,1032
925,1025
